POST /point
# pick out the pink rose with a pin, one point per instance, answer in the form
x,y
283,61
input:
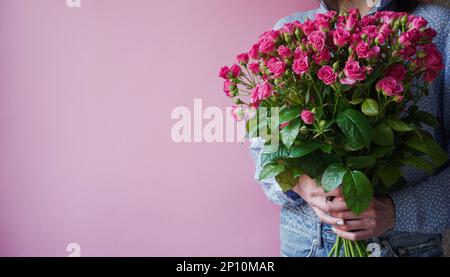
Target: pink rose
x,y
267,46
331,14
364,51
237,112
341,37
327,75
301,65
298,53
353,72
284,52
356,38
370,31
254,97
272,35
416,22
228,87
308,27
383,33
407,52
276,67
288,28
433,59
265,90
236,70
390,87
399,98
298,25
352,19
254,67
430,76
341,21
397,71
328,16
308,117
408,38
322,57
254,52
243,58
317,40
322,25
367,20
429,34
261,92
225,72
386,16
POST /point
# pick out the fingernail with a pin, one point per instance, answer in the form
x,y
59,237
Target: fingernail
x,y
340,223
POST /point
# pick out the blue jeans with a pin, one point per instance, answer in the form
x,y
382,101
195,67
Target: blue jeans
x,y
303,235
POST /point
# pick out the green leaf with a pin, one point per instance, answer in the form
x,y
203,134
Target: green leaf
x,y
313,164
399,125
357,191
426,118
370,107
356,127
352,146
271,170
358,92
360,162
428,146
270,148
290,133
304,149
419,163
389,175
382,151
281,153
297,172
332,177
288,114
326,148
254,125
383,135
356,101
286,180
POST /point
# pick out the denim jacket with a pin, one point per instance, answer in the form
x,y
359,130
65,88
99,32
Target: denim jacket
x,y
422,208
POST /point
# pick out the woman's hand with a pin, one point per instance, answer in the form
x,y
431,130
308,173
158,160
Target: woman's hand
x,y
322,203
376,221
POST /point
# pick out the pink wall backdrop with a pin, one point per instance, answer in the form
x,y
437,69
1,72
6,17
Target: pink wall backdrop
x,y
86,154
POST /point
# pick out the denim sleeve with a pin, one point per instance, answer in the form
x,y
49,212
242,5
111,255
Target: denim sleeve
x,y
270,186
425,208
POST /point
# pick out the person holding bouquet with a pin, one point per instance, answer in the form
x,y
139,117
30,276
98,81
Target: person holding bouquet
x,y
408,222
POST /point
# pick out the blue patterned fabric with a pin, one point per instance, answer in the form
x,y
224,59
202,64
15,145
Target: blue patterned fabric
x,y
422,207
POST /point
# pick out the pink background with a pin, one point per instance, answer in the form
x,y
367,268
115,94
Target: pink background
x,y
85,149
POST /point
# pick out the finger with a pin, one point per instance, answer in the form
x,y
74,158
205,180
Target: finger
x,y
335,193
353,236
329,206
339,199
336,206
327,219
319,202
355,225
349,215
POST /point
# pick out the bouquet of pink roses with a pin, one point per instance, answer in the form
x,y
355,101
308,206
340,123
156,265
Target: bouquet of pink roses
x,y
335,98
